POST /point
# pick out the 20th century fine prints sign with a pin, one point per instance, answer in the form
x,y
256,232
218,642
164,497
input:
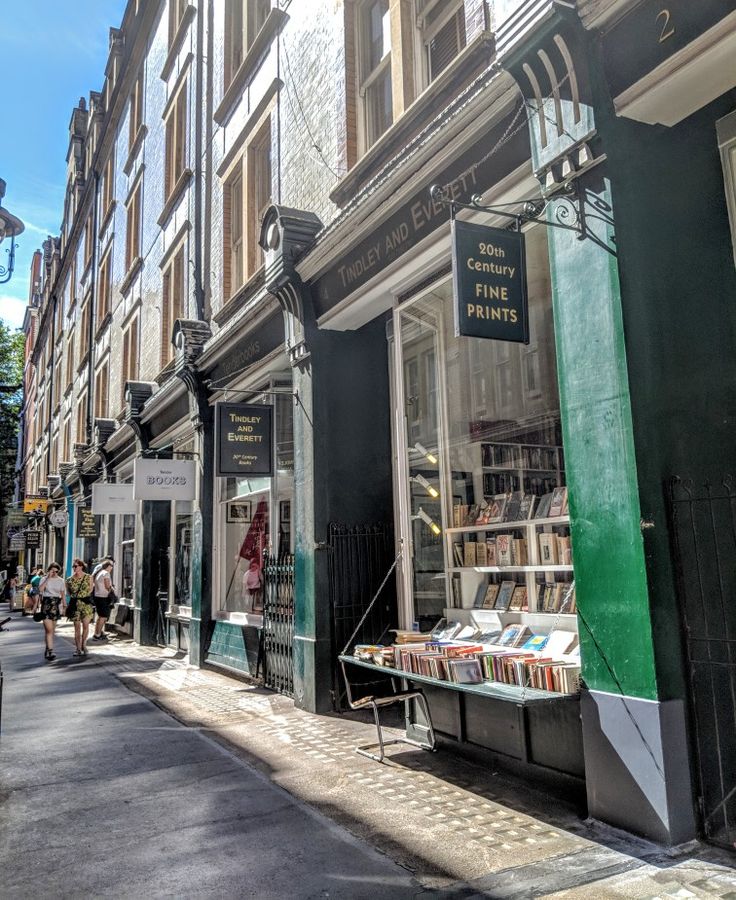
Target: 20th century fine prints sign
x,y
244,439
489,279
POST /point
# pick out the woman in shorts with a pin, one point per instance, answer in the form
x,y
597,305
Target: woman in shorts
x,y
79,590
50,600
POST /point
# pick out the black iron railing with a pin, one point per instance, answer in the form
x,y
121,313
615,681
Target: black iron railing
x,y
359,558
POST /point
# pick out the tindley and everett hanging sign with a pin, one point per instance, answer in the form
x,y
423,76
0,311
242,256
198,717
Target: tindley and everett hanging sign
x,y
489,279
163,479
243,439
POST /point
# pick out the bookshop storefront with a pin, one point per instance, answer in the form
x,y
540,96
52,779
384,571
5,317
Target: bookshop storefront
x,y
251,390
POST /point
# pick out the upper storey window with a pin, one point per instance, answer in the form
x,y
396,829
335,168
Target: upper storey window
x,y
177,8
374,69
243,20
441,25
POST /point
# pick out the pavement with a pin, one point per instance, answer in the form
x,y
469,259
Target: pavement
x,y
132,771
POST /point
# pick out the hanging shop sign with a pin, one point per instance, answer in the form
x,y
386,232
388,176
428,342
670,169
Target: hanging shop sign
x,y
35,504
489,279
17,542
32,539
243,438
163,479
16,518
113,498
87,523
59,518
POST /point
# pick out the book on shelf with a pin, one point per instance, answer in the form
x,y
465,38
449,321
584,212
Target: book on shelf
x,y
472,514
547,549
481,553
511,513
456,588
483,508
519,555
491,552
514,635
543,507
560,642
496,509
489,601
480,596
546,596
457,553
464,671
526,508
459,514
446,630
469,554
466,633
410,637
564,550
519,600
535,642
558,502
504,554
505,593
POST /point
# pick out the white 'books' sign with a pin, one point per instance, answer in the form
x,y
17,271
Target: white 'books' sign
x,y
113,498
163,479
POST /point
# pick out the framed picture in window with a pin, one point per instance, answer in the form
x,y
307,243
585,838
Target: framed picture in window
x,y
238,512
285,511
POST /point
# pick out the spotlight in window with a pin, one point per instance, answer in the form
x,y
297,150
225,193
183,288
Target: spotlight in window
x,y
428,521
429,488
420,448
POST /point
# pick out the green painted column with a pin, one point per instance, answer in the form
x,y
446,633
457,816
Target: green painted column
x,y
202,540
610,571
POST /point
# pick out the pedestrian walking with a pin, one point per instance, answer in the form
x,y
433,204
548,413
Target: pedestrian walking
x,y
104,597
50,603
80,610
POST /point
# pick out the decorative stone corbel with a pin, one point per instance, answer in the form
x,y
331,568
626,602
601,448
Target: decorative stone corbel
x,y
286,235
136,395
189,337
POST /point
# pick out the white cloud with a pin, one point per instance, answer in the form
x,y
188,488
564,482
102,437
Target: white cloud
x,y
12,310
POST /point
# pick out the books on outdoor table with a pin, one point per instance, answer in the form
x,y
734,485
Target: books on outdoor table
x,y
411,637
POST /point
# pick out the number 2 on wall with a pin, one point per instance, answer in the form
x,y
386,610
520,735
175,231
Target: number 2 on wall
x,y
667,29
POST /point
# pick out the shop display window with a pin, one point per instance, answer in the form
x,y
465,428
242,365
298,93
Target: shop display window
x,y
254,515
484,501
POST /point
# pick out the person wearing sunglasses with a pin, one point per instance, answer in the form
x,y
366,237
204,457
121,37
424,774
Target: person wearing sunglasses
x,y
50,601
80,610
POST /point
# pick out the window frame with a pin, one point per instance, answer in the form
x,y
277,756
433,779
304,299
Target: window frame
x,y
175,140
365,82
172,306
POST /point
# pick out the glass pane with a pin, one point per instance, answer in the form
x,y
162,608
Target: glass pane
x,y
183,560
127,573
419,333
246,529
379,108
498,441
377,33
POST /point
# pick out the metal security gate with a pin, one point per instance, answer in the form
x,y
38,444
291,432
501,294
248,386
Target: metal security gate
x,y
278,622
703,529
359,558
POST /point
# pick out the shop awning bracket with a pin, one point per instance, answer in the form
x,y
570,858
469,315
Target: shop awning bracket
x,y
570,212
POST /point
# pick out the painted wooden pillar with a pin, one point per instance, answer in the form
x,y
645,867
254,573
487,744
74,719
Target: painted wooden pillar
x,y
636,759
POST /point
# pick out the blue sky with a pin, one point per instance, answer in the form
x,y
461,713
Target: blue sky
x,y
53,52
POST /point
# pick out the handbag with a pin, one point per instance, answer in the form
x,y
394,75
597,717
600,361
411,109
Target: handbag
x,y
38,616
71,608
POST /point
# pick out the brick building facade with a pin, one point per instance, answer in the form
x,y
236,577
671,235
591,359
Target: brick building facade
x,y
249,219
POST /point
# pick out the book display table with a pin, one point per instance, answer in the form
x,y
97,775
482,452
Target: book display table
x,y
537,729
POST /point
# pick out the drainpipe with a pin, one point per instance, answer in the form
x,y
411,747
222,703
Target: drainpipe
x,y
54,303
198,107
93,307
